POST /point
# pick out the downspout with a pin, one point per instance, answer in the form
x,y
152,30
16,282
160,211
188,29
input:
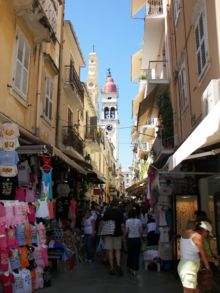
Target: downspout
x,y
59,80
40,59
186,41
174,32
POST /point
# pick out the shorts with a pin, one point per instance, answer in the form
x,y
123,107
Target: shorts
x,y
187,270
113,242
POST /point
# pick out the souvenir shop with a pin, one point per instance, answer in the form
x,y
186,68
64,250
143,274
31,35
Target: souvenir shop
x,y
37,196
174,197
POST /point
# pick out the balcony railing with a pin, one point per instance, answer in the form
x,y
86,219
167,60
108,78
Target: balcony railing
x,y
162,144
154,8
40,16
71,138
92,134
72,79
157,71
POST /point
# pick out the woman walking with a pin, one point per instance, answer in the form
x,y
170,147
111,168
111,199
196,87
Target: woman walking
x,y
133,230
88,225
191,248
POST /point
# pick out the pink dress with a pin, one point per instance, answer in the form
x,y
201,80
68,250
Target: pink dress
x,y
30,195
2,214
38,257
20,194
19,219
31,214
4,257
41,233
9,215
3,238
11,239
39,281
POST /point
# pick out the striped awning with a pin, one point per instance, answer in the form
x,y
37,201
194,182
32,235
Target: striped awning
x,y
136,65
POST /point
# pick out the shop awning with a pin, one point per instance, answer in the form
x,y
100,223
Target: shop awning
x,y
207,133
137,5
136,65
136,102
70,162
94,177
136,185
146,108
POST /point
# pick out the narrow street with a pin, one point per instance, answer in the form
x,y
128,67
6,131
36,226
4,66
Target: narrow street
x,y
94,278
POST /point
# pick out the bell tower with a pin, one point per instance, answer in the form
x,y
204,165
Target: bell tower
x,y
109,112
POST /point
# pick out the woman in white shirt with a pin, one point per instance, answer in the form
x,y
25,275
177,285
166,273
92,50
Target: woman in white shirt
x,y
133,230
191,249
88,225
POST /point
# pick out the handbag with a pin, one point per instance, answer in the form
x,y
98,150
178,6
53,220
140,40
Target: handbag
x,y
108,228
204,278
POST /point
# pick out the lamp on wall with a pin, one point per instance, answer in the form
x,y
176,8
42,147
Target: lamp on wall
x,y
88,158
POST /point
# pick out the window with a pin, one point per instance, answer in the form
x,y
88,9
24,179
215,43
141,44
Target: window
x,y
48,98
182,88
176,10
201,42
106,113
112,113
22,57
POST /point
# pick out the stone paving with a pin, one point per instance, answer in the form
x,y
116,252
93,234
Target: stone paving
x,y
95,278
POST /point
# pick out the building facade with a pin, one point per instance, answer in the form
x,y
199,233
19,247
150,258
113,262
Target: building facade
x,y
182,107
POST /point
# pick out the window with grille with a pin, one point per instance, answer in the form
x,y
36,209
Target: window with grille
x,y
21,71
48,98
182,88
201,42
176,10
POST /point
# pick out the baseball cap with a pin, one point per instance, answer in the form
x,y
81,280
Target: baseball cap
x,y
207,226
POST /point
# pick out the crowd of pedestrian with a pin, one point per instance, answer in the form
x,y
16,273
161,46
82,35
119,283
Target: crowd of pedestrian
x,y
115,228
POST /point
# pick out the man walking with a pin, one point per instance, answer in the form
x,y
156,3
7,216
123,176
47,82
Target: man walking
x,y
113,242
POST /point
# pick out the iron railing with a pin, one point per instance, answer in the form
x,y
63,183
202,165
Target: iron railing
x,y
72,138
72,79
154,8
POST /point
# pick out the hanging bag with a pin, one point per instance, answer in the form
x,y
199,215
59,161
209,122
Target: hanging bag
x,y
108,228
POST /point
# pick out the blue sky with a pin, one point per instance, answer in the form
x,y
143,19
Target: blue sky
x,y
108,26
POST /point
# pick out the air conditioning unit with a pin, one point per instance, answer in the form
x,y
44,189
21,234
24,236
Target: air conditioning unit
x,y
211,96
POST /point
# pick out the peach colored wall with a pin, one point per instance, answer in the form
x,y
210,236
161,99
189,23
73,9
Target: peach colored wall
x,y
183,48
20,110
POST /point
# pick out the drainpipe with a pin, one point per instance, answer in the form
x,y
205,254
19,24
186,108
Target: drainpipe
x,y
59,86
40,60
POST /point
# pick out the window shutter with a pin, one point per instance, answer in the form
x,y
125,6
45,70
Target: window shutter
x,y
20,79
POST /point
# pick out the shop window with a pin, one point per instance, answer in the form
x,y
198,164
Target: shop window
x,y
48,98
201,39
21,70
182,88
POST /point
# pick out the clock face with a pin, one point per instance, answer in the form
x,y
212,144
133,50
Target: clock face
x,y
91,84
109,127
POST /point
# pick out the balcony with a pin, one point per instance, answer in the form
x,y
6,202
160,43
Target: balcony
x,y
72,139
40,16
154,8
163,148
92,139
157,72
73,82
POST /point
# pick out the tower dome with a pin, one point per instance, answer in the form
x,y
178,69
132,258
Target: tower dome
x,y
109,86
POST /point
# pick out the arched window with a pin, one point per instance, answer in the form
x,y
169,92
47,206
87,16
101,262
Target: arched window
x,y
112,113
106,113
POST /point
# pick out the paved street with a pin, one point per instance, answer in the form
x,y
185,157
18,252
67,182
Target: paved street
x,y
94,278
